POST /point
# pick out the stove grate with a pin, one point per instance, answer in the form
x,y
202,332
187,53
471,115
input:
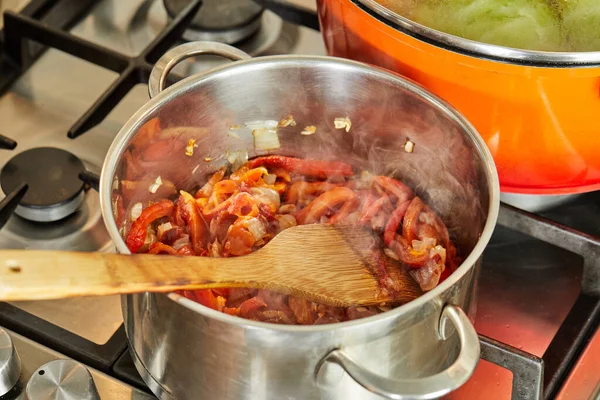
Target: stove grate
x,y
20,28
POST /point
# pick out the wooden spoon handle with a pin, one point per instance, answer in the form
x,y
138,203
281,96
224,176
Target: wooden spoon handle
x,y
43,275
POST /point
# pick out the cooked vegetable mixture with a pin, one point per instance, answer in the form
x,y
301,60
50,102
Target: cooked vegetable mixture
x,y
236,213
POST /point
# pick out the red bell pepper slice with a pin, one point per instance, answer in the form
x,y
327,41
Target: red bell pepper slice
x,y
406,254
137,233
161,248
318,207
393,223
372,209
395,187
206,190
249,307
186,251
302,189
344,211
411,219
196,225
208,299
313,168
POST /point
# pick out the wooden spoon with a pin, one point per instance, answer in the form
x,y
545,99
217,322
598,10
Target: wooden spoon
x,y
323,263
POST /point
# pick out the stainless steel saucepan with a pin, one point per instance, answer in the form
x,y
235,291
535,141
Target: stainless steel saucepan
x,y
421,350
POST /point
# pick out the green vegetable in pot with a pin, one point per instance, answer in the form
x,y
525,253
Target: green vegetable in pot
x,y
581,21
522,24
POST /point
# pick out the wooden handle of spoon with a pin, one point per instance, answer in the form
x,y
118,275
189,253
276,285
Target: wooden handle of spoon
x,y
315,262
43,275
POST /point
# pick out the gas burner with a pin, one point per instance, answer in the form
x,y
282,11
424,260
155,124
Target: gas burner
x,y
52,175
226,21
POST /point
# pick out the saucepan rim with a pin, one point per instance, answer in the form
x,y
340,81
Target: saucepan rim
x,y
131,127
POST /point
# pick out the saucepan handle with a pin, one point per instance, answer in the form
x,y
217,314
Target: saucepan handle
x,y
158,76
430,387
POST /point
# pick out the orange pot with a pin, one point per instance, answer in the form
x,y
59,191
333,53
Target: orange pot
x,y
539,113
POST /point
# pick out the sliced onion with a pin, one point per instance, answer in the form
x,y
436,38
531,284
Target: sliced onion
x,y
390,253
215,249
267,196
287,121
265,134
309,130
162,228
257,228
286,221
150,239
157,183
266,139
136,211
439,250
270,179
181,242
427,218
428,276
343,123
189,149
287,209
420,245
236,158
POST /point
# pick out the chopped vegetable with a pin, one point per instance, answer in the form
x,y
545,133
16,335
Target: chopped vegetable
x,y
409,146
137,234
236,214
343,123
155,185
189,149
265,134
309,130
287,121
136,211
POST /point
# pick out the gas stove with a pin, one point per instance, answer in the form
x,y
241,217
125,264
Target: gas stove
x,y
64,97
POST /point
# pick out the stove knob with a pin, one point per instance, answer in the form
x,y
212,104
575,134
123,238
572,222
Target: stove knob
x,y
10,364
62,380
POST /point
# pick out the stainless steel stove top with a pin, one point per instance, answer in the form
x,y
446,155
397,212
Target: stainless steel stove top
x,y
44,371
526,289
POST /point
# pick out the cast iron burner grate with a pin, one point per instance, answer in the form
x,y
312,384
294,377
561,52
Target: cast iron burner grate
x,y
52,176
226,21
35,24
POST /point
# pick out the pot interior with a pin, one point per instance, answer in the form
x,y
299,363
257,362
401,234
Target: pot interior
x,y
449,166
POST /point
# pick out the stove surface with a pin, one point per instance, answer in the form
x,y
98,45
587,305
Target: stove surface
x,y
525,289
33,356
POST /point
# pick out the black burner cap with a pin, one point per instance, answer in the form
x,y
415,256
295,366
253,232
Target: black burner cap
x,y
218,15
51,174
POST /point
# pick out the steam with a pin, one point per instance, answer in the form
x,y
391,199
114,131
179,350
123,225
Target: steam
x,y
443,167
